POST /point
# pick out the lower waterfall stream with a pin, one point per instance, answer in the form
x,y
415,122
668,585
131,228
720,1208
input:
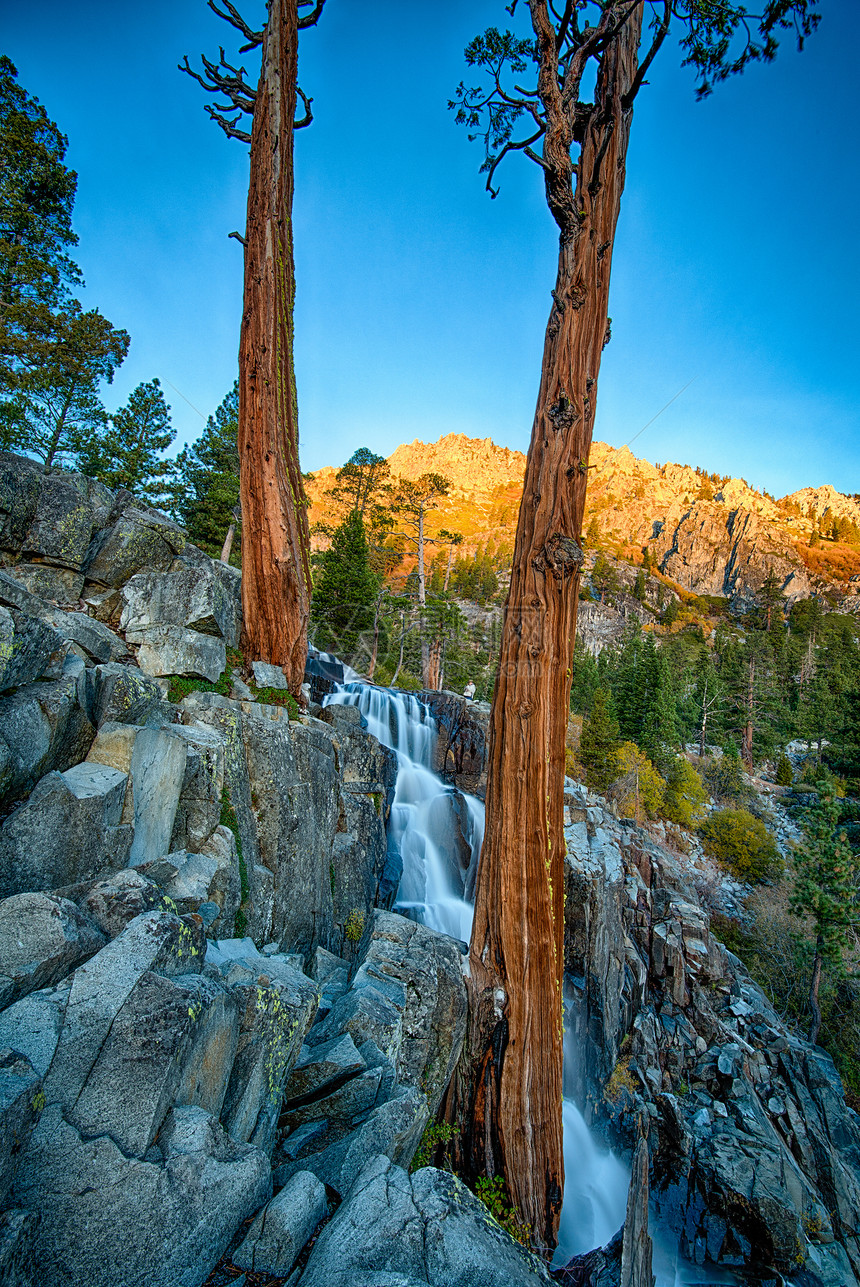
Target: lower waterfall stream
x,y
439,831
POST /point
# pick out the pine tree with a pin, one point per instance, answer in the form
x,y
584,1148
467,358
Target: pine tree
x,y
598,745
37,194
55,409
344,591
128,454
362,482
826,890
639,586
206,481
53,355
660,724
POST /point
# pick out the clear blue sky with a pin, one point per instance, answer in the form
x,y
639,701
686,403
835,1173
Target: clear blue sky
x,y
421,303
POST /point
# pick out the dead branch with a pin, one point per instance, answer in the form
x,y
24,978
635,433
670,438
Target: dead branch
x,y
308,116
236,20
312,18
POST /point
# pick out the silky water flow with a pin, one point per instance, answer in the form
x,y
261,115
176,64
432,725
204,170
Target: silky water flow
x,y
438,831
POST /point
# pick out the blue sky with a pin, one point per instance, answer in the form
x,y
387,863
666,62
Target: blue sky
x,y
421,303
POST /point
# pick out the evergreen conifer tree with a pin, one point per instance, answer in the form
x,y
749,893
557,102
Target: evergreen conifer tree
x,y
342,608
53,355
206,481
826,890
128,453
660,725
598,745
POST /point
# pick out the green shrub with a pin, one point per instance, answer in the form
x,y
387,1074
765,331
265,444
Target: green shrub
x,y
278,697
435,1133
639,788
494,1196
784,771
354,927
724,778
182,685
685,799
742,844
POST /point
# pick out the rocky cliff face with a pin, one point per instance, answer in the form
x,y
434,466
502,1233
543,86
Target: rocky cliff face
x,y
160,1076
711,536
754,1154
163,1071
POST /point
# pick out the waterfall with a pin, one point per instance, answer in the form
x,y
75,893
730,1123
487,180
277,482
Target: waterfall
x,y
439,831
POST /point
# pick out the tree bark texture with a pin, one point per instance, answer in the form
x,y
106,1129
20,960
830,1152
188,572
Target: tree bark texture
x,y
509,1090
815,983
275,545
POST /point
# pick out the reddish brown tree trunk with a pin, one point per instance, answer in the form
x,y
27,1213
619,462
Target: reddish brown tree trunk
x,y
275,540
510,1091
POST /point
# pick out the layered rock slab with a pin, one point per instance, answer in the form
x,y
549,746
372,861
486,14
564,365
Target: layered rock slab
x,y
425,1228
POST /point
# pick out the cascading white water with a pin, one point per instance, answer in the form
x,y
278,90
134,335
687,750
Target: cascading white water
x,y
595,1181
437,829
439,832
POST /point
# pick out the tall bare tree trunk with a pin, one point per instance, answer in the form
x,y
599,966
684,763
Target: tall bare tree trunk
x,y
227,547
275,567
814,984
509,1091
749,723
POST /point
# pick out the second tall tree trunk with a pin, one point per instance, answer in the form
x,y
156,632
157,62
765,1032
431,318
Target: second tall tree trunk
x,y
510,1091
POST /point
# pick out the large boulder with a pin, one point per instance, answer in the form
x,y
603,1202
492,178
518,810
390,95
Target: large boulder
x,y
20,485
426,1227
277,1004
53,584
396,1034
42,939
203,597
157,774
133,539
336,1156
27,646
135,1050
96,640
198,811
69,830
121,694
173,650
113,901
63,522
283,785
208,882
409,998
